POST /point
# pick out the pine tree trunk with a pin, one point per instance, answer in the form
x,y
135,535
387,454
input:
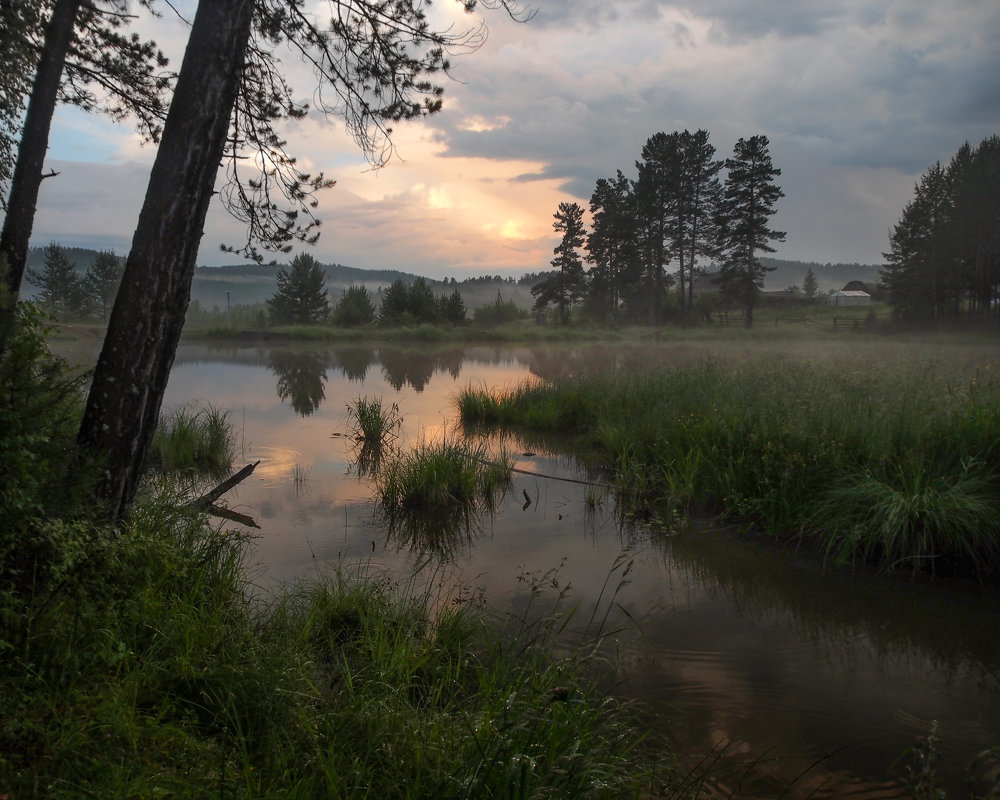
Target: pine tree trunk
x,y
27,177
145,326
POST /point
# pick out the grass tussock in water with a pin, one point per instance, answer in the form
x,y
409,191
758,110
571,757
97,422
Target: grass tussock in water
x,y
374,421
196,440
895,463
437,490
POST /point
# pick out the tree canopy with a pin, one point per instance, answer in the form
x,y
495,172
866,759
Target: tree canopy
x,y
662,229
301,297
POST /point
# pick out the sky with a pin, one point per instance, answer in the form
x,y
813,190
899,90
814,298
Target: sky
x,y
857,98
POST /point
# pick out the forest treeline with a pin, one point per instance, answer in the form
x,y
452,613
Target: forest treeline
x,y
944,253
650,235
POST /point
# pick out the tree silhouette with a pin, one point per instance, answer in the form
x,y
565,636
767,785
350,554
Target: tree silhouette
x,y
810,287
944,253
58,282
355,307
611,244
301,298
567,284
748,204
102,279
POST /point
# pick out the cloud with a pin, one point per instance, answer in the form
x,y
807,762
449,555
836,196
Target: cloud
x,y
858,97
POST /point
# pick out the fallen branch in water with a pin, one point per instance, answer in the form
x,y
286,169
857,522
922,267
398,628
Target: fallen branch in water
x,y
207,500
232,516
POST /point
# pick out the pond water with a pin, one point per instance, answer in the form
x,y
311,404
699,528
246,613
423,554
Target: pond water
x,y
821,677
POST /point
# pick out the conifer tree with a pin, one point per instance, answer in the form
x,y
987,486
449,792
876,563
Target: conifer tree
x,y
567,284
700,192
395,304
102,279
914,263
749,199
810,287
452,309
301,297
80,46
611,244
355,307
657,194
58,282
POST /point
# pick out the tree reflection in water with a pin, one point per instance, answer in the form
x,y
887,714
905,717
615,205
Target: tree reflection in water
x,y
354,361
404,366
301,378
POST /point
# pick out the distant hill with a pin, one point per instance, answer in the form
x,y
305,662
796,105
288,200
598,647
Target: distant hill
x,y
828,276
247,284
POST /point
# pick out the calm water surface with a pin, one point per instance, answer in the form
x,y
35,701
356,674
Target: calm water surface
x,y
731,646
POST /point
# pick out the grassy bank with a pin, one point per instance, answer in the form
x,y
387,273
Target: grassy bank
x,y
893,463
150,670
139,661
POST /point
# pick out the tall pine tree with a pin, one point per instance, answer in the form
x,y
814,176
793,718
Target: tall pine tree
x,y
748,203
567,284
611,244
57,281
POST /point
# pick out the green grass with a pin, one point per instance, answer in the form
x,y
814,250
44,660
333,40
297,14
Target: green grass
x,y
896,462
432,495
188,440
373,421
152,669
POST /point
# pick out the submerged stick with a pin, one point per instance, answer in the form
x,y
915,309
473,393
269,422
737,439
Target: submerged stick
x,y
210,497
232,516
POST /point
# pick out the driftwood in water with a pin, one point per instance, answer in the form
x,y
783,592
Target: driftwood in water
x,y
233,516
210,497
207,501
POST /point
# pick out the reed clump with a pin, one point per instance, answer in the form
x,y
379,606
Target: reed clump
x,y
374,421
437,490
896,463
193,440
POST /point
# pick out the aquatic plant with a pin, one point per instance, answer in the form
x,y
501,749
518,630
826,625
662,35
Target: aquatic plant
x,y
199,440
374,421
433,493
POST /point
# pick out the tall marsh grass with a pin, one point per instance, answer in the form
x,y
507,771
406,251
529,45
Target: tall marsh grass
x,y
435,492
893,462
194,440
373,421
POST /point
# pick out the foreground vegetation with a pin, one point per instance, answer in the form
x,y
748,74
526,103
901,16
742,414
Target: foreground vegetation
x,y
139,660
896,464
